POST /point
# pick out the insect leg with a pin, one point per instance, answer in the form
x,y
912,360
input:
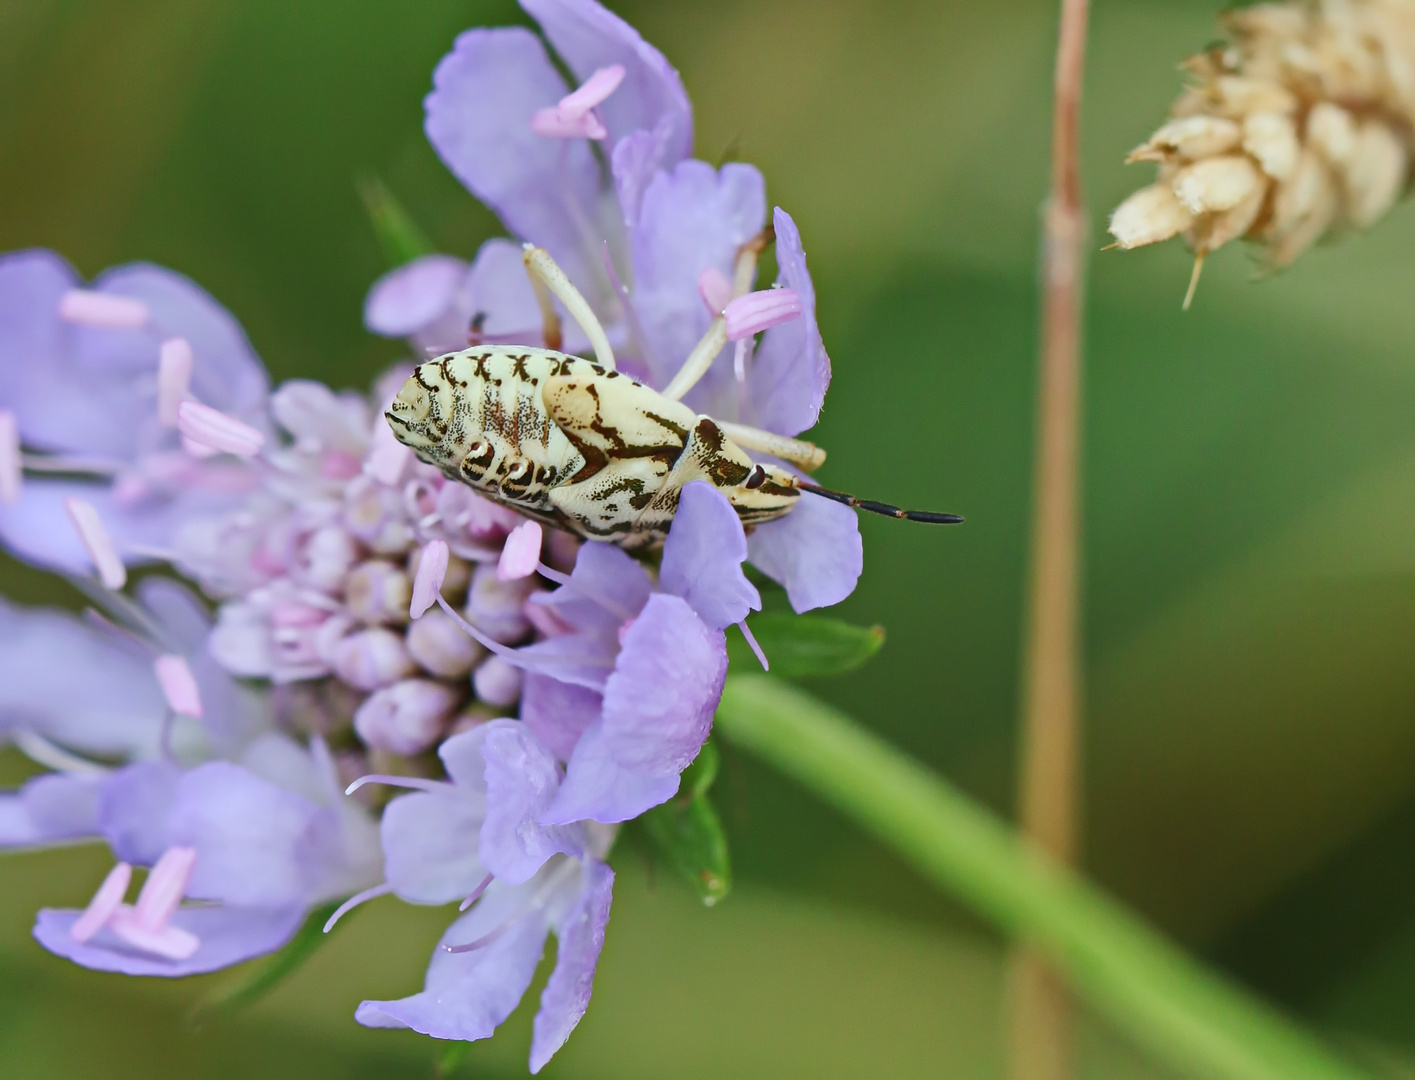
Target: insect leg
x,y
546,277
705,351
808,456
699,360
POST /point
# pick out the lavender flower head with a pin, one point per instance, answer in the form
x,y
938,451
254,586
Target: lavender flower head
x,y
365,624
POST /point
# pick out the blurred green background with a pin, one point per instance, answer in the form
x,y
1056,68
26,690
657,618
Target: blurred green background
x,y
1249,519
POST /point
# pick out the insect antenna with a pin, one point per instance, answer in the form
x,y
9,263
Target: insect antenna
x,y
927,516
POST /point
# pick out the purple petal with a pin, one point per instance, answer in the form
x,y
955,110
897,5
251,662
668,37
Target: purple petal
x,y
583,659
815,551
597,787
702,558
691,219
557,712
86,389
228,936
33,341
521,781
430,846
485,92
462,758
659,702
414,296
257,845
116,708
37,529
602,571
581,939
235,712
49,808
636,159
133,809
227,374
791,371
469,993
587,37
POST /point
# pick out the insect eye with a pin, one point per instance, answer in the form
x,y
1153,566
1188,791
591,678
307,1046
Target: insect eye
x,y
755,479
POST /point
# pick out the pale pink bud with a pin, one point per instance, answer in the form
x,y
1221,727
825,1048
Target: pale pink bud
x,y
758,311
497,682
715,290
104,903
174,379
97,543
11,464
327,556
179,685
372,658
102,310
494,605
214,429
442,647
574,116
520,555
378,592
432,568
407,717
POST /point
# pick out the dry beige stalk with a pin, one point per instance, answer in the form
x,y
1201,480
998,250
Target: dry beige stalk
x,y
1302,128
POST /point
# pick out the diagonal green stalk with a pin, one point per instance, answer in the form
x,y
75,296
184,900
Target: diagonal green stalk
x,y
1182,1012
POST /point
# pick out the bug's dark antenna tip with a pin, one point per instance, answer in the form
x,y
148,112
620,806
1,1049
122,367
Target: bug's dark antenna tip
x,y
928,517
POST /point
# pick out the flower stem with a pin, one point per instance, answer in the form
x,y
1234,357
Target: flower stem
x,y
1040,1021
1185,1014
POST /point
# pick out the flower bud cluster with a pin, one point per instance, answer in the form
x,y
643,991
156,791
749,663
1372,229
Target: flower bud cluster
x,y
316,574
1298,130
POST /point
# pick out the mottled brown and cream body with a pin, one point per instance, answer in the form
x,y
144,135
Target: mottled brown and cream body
x,y
575,444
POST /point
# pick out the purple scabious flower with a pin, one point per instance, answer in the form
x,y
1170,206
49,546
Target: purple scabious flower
x,y
82,394
258,820
645,242
478,837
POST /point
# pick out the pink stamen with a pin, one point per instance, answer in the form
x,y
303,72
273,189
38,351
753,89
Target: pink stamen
x,y
170,942
739,360
427,583
715,290
354,901
476,893
758,311
104,903
418,783
163,890
11,464
752,641
197,450
520,555
486,939
97,543
174,379
212,428
179,685
102,310
574,117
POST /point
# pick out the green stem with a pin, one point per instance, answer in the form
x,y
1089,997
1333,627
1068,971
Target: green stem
x,y
1184,1013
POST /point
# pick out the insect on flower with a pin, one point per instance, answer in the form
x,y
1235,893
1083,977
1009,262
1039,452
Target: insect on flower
x,y
577,444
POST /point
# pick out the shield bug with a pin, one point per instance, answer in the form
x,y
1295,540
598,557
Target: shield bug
x,y
576,443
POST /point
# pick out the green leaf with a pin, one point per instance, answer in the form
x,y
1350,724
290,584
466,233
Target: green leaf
x,y
797,646
688,833
1184,1012
398,234
264,975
